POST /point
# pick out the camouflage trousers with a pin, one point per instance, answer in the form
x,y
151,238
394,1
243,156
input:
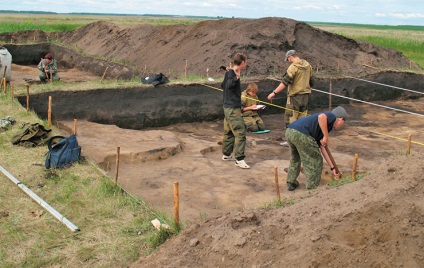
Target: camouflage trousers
x,y
304,150
254,123
44,77
234,133
296,103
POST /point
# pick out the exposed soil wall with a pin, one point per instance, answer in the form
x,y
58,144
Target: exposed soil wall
x,y
146,106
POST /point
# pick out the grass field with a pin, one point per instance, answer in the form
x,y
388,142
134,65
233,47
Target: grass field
x,y
115,227
60,23
407,39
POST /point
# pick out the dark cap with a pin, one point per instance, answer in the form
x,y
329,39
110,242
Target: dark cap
x,y
290,53
49,56
339,111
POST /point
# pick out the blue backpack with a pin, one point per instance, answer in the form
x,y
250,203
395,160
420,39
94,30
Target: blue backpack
x,y
63,153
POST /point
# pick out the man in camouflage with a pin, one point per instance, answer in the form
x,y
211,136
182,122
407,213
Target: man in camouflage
x,y
299,79
48,67
307,138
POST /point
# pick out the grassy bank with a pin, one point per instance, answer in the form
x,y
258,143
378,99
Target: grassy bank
x,y
407,39
115,227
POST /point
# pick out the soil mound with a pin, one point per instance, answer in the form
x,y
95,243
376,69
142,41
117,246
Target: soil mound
x,y
209,44
378,223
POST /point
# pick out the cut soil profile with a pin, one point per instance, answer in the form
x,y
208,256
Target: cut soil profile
x,y
374,222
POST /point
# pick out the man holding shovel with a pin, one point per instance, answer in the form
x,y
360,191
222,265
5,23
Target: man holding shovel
x,y
307,138
48,69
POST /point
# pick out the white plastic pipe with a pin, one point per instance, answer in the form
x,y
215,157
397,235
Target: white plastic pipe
x,y
40,201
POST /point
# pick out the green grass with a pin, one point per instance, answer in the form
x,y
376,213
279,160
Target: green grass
x,y
370,26
11,27
61,23
346,179
115,227
407,39
275,203
413,49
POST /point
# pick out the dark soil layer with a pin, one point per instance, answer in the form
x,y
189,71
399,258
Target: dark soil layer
x,y
138,108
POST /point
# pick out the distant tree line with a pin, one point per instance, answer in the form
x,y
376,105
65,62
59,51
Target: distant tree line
x,y
108,14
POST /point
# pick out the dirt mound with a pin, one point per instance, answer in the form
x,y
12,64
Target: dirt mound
x,y
203,47
209,44
378,223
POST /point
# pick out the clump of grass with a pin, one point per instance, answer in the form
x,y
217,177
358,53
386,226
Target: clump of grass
x,y
282,203
345,179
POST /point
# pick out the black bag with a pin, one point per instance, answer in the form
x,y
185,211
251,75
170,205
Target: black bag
x,y
33,135
63,153
155,80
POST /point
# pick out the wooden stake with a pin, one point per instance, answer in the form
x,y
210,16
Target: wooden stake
x,y
277,188
329,97
4,85
408,151
104,74
185,69
12,91
27,97
176,203
355,164
332,160
49,112
372,67
75,127
4,76
118,149
410,64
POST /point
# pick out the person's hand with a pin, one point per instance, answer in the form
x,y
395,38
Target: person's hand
x,y
253,107
336,175
271,95
237,72
324,141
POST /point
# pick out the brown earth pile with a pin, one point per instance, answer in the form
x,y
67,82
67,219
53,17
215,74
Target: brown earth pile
x,y
209,44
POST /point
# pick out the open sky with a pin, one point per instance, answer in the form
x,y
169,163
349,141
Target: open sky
x,y
382,12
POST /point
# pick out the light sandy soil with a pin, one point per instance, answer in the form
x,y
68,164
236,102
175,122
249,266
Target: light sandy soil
x,y
374,222
152,160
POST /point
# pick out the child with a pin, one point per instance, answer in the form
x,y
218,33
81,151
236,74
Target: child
x,y
249,109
